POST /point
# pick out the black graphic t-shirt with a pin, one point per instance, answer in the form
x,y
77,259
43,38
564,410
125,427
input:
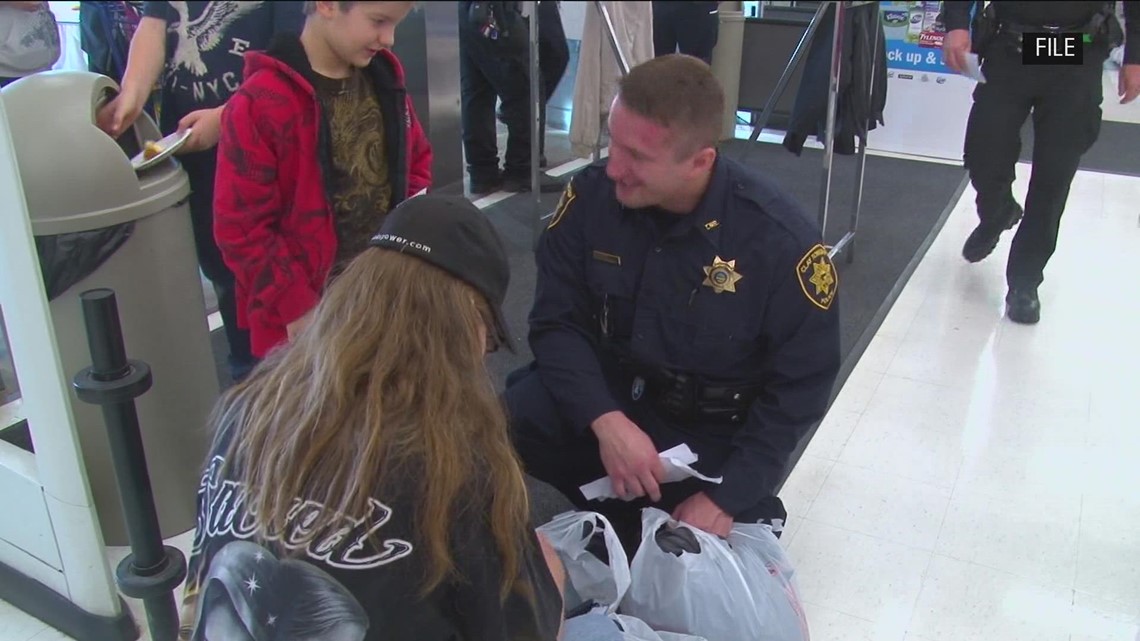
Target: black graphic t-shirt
x,y
205,45
363,191
358,583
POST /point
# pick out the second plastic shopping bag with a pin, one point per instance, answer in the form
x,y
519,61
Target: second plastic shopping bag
x,y
597,569
688,581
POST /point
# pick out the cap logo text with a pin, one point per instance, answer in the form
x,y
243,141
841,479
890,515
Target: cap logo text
x,y
402,241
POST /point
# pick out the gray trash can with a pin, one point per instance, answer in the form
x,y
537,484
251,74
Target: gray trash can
x,y
78,179
726,66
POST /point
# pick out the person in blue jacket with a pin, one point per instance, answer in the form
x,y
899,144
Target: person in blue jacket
x,y
681,298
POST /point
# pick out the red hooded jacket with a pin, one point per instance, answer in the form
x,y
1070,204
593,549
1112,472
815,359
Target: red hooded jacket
x,y
273,218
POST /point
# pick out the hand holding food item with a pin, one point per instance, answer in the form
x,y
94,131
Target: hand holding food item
x,y
151,149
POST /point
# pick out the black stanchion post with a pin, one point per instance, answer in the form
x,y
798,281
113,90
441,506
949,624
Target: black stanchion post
x,y
151,571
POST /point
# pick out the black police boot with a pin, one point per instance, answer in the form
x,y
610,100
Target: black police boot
x,y
984,238
1022,306
486,185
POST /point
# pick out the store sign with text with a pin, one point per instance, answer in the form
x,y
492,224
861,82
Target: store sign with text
x,y
914,33
927,104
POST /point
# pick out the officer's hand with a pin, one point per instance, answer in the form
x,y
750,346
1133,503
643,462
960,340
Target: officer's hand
x,y
700,512
630,458
955,48
1129,85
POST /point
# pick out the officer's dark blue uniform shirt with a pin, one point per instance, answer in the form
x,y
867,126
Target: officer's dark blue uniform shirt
x,y
738,292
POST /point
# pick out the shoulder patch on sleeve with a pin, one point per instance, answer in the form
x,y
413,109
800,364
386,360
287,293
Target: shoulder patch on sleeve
x,y
818,277
564,201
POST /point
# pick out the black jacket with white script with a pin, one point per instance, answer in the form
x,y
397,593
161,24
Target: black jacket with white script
x,y
359,582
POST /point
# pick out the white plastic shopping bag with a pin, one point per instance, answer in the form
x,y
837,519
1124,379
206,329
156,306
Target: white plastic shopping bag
x,y
759,547
597,568
688,581
633,629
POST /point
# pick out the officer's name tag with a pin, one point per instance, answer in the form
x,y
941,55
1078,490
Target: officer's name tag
x,y
1052,49
612,259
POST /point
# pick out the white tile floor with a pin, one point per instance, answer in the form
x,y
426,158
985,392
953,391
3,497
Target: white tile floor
x,y
975,479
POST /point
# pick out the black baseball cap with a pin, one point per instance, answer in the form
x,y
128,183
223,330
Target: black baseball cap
x,y
452,234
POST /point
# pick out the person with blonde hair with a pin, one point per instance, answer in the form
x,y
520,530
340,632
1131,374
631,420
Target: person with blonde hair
x,y
365,467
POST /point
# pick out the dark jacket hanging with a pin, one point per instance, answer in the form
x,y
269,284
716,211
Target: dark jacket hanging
x,y
856,113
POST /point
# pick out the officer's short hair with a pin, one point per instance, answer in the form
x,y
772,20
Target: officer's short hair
x,y
680,93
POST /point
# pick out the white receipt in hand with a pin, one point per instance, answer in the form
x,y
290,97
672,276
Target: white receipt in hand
x,y
676,461
974,68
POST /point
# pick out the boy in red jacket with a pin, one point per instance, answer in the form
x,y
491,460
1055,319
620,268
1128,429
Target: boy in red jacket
x,y
317,145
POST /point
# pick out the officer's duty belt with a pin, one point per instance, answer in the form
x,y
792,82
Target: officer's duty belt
x,y
685,398
1017,31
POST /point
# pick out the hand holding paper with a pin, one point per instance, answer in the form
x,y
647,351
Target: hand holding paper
x,y
629,457
973,68
676,463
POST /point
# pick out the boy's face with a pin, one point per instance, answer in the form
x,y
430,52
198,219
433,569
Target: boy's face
x,y
360,32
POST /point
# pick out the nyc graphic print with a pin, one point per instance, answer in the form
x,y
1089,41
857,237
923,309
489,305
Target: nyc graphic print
x,y
244,591
200,38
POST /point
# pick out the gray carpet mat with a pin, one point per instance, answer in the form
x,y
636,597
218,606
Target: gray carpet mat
x,y
1116,151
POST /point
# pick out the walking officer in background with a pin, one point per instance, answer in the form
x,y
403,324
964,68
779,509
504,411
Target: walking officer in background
x,y
681,298
1065,103
687,27
494,64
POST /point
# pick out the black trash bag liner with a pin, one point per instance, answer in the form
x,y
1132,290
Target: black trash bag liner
x,y
66,259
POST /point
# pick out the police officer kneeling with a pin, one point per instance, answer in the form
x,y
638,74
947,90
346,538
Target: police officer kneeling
x,y
681,298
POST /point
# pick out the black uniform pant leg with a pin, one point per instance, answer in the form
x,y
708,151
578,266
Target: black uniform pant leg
x,y
553,58
697,29
689,27
550,449
1066,123
513,86
480,143
664,28
490,70
505,66
993,134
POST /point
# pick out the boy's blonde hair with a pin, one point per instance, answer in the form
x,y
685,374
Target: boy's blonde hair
x,y
311,7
